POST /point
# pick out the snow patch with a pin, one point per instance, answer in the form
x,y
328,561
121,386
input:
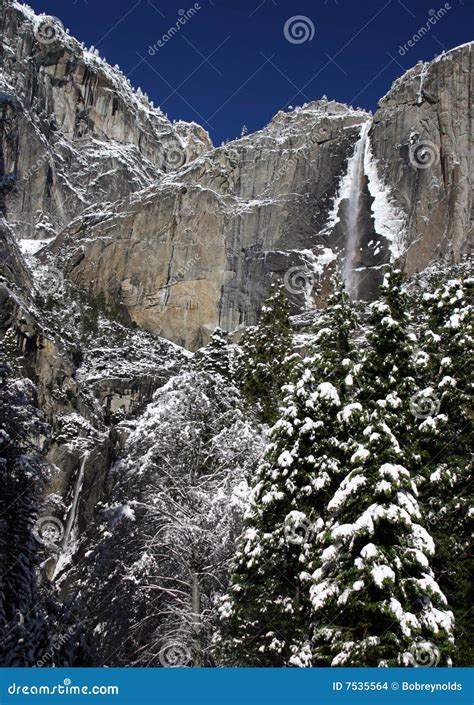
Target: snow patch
x,y
390,221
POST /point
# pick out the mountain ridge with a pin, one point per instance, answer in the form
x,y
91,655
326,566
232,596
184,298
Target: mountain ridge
x,y
90,155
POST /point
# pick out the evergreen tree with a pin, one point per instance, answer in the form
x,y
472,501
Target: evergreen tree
x,y
374,597
333,350
442,411
263,365
386,380
216,357
266,615
11,351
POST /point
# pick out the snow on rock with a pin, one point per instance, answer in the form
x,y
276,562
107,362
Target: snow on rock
x,y
31,247
390,221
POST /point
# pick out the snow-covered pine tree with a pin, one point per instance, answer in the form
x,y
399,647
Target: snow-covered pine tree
x,y
262,367
169,531
266,613
442,410
374,597
332,348
387,383
216,357
11,351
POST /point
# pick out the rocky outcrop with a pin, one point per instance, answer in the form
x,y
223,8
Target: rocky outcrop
x,y
12,266
77,131
199,249
423,142
179,237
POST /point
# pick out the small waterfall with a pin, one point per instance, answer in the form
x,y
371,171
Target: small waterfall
x,y
70,530
355,174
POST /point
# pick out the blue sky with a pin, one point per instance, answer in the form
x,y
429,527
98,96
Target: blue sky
x,y
231,62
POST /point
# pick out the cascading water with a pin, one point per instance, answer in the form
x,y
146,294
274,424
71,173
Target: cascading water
x,y
355,174
68,541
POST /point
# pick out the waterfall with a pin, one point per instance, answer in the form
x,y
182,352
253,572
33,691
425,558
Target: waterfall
x,y
68,541
355,174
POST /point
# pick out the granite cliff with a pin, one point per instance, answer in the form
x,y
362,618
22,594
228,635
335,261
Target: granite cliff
x,y
180,236
126,239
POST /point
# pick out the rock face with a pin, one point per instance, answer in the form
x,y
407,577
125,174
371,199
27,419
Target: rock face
x,y
77,131
12,265
106,207
422,138
199,248
180,237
